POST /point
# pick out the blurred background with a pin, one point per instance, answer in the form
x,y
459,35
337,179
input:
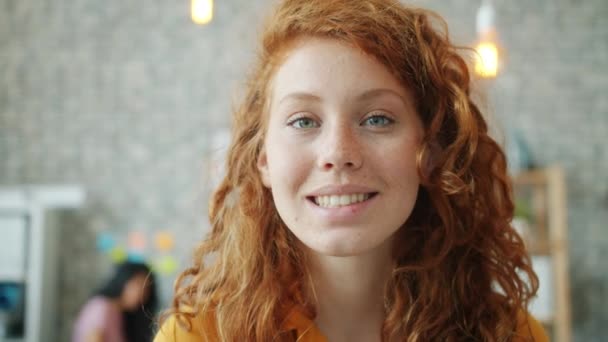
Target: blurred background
x,y
114,116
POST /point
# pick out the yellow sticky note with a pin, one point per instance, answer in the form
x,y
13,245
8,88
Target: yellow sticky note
x,y
164,241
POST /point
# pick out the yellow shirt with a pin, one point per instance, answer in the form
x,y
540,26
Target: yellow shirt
x,y
303,329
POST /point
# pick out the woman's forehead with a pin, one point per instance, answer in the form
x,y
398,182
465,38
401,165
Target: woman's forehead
x,y
315,68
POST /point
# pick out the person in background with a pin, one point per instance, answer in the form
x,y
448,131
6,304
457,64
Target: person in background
x,y
123,310
364,199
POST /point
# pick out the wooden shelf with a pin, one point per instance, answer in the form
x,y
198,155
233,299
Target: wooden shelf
x,y
548,237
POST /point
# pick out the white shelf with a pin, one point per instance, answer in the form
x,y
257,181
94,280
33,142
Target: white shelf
x,y
12,277
30,251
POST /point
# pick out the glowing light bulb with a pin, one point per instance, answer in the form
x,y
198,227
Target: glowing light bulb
x,y
486,63
202,11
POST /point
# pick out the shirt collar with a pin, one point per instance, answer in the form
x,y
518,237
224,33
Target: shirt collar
x,y
305,329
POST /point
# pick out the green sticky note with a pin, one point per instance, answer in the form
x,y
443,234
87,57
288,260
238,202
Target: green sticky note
x,y
118,254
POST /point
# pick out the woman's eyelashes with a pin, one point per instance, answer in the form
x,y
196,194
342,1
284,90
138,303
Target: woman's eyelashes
x,y
375,120
303,122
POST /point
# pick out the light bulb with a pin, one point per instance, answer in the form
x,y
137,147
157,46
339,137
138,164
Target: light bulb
x,y
486,63
202,11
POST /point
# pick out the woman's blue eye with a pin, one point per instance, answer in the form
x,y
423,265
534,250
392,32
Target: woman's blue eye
x,y
378,120
303,123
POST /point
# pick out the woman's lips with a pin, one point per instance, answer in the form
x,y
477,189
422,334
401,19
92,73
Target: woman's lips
x,y
344,200
342,213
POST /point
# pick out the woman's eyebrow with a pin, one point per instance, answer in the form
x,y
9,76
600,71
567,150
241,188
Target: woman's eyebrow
x,y
300,96
377,92
365,96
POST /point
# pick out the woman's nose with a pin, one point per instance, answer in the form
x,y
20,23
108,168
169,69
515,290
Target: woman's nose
x,y
340,149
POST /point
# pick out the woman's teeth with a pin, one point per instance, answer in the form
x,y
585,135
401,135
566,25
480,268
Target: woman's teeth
x,y
336,201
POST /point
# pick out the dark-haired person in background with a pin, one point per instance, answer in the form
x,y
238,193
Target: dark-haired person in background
x,y
122,310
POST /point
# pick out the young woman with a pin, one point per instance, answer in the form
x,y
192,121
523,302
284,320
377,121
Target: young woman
x,y
122,310
364,199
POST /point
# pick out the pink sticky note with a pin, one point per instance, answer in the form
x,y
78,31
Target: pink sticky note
x,y
136,241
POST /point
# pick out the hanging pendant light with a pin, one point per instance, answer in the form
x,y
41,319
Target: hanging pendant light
x,y
486,63
202,11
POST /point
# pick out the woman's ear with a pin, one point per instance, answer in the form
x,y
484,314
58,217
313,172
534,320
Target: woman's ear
x,y
263,168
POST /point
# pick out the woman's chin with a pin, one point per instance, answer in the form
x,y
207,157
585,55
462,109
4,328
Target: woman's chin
x,y
341,247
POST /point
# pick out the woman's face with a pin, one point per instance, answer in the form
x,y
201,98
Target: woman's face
x,y
135,292
340,149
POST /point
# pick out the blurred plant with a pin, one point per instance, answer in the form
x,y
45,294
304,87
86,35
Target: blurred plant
x,y
523,210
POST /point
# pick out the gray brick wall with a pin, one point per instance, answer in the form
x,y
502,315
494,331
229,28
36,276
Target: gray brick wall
x,y
123,98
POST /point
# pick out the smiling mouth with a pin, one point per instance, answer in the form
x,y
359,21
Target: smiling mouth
x,y
337,201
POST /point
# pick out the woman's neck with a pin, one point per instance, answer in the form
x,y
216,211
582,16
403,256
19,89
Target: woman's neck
x,y
114,302
349,293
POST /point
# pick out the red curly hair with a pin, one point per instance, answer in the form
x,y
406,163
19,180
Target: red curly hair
x,y
460,271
